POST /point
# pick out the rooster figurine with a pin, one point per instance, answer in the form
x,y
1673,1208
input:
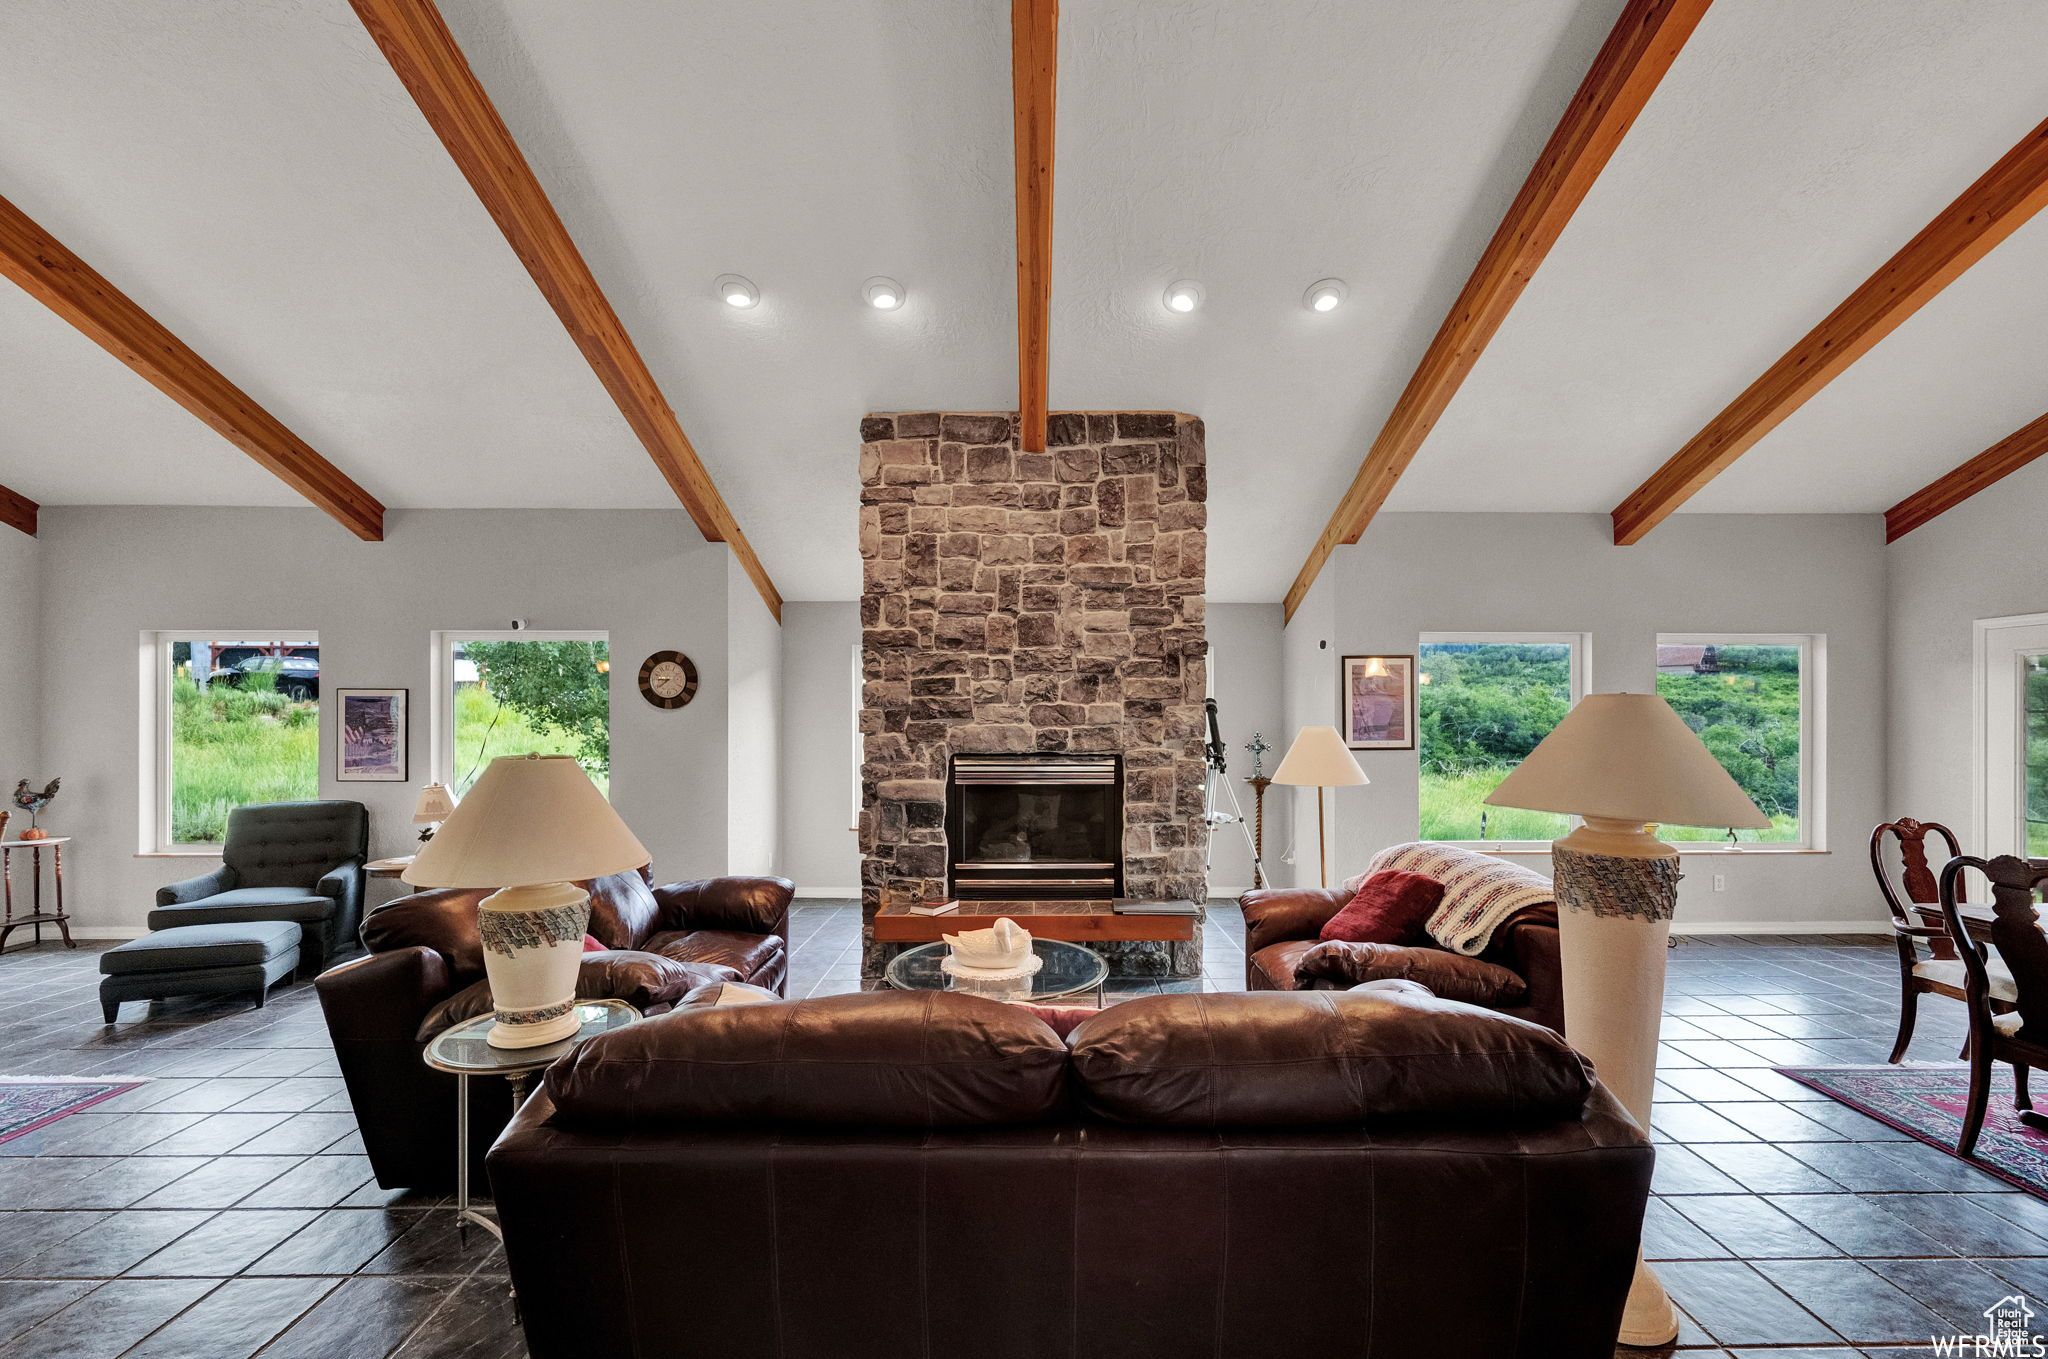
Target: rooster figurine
x,y
33,803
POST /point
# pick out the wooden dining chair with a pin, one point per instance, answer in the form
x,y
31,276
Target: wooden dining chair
x,y
2018,1035
1917,918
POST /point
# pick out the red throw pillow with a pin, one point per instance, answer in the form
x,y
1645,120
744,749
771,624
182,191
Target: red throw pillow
x,y
590,945
1390,908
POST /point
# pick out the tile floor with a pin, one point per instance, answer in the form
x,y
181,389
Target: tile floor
x,y
225,1209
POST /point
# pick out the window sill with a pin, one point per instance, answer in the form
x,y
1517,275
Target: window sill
x,y
1723,851
213,853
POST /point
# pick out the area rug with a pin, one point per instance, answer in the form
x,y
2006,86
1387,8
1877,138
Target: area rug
x,y
1927,1102
31,1102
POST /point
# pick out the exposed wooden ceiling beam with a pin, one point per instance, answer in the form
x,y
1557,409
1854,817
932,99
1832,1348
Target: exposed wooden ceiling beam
x,y
1034,66
416,41
1645,41
1995,463
67,285
1988,211
18,511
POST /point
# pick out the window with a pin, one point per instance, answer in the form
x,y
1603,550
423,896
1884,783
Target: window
x,y
2010,742
515,693
1749,699
233,718
1483,701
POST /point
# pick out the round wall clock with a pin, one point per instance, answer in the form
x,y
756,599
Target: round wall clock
x,y
668,679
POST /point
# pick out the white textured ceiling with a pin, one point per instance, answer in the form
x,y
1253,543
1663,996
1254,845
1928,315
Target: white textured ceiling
x,y
253,174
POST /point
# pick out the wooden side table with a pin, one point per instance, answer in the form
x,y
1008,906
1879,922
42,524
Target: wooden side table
x,y
37,916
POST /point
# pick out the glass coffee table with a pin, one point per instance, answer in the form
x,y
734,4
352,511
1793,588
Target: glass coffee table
x,y
1066,970
463,1052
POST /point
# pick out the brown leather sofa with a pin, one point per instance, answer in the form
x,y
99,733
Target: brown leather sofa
x,y
1233,1175
1518,973
425,971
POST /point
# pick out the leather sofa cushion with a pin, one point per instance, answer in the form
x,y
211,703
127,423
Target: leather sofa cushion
x,y
1450,975
1276,1059
748,953
622,909
1276,962
730,993
643,980
904,1059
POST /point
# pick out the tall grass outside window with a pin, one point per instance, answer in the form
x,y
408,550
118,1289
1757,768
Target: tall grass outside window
x,y
239,732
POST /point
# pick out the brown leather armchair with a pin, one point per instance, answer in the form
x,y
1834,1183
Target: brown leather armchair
x,y
1518,974
425,971
1238,1176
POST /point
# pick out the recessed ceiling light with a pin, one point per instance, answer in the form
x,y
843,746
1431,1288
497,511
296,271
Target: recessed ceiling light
x,y
1183,296
735,291
1324,294
883,294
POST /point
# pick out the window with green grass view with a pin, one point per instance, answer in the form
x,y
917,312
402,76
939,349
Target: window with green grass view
x,y
1482,706
243,726
515,696
1747,702
2034,773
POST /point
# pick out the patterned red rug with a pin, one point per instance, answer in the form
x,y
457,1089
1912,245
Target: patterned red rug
x,y
28,1103
1927,1102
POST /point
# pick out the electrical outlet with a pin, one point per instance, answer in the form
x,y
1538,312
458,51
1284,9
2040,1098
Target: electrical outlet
x,y
1720,882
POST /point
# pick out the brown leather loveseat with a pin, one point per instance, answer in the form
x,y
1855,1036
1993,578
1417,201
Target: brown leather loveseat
x,y
425,972
1233,1175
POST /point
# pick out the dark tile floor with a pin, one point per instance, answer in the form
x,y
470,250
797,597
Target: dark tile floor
x,y
225,1209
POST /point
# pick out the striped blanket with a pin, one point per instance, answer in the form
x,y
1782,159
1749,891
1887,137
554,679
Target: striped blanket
x,y
1480,891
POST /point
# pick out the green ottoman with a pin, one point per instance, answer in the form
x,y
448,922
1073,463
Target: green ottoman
x,y
199,960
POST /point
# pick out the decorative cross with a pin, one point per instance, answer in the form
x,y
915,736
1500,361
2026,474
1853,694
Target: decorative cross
x,y
1258,747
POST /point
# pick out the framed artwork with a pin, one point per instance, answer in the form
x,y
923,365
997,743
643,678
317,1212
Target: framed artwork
x,y
1377,702
371,736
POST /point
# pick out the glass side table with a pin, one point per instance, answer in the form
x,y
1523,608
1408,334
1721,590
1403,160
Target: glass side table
x,y
1067,970
462,1052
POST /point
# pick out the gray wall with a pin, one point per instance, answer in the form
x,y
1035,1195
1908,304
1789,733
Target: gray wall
x,y
20,650
1417,573
1977,561
1309,683
753,729
821,844
645,576
1245,663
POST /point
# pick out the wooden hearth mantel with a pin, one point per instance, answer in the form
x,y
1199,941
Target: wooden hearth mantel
x,y
1076,922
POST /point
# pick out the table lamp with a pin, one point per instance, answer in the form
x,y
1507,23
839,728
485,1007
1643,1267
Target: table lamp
x,y
533,827
431,810
1622,762
1319,759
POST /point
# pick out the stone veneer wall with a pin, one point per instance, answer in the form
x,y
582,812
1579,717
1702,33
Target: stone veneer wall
x,y
1020,602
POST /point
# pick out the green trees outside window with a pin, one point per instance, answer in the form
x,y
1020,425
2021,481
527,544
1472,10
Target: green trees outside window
x,y
545,697
1482,707
1744,702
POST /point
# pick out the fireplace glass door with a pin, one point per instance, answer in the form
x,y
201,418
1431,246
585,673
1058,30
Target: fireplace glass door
x,y
1035,826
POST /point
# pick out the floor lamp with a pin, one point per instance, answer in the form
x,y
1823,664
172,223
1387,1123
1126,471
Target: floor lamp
x,y
1621,763
1319,759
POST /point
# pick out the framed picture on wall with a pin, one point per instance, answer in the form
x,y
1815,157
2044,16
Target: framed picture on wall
x,y
370,736
1377,702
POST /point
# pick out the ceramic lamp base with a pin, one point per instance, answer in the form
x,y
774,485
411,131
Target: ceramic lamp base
x,y
533,942
1616,888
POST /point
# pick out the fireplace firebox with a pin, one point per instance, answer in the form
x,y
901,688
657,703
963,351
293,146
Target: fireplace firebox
x,y
1035,827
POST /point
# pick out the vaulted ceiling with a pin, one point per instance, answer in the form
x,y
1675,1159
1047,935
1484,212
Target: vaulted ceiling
x,y
253,174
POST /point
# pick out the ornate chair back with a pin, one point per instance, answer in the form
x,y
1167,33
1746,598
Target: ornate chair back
x,y
1915,877
2015,931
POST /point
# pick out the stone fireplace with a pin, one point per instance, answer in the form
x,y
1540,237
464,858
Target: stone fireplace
x,y
1044,609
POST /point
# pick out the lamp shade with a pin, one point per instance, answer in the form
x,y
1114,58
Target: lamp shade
x,y
1628,757
1318,758
531,819
434,805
